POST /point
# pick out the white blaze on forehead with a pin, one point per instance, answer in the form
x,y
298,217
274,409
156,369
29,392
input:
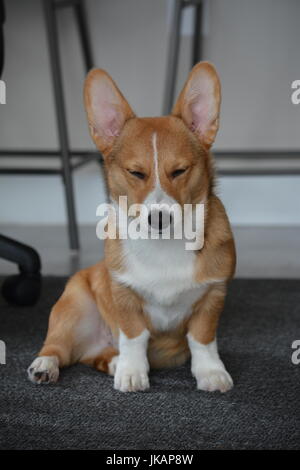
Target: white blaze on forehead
x,y
155,157
157,195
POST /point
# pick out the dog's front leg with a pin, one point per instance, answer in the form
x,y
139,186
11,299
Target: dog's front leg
x,y
207,367
132,368
131,374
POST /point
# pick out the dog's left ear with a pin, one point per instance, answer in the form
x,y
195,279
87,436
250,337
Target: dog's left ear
x,y
199,102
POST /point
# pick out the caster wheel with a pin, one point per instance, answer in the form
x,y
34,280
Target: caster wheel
x,y
22,289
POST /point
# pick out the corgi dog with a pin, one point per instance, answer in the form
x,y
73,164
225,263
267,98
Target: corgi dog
x,y
149,302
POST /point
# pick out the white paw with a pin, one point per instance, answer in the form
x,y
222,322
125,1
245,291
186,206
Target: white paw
x,y
211,380
44,370
131,377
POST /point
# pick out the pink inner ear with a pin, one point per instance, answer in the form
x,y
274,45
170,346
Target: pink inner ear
x,y
111,122
112,125
201,112
107,113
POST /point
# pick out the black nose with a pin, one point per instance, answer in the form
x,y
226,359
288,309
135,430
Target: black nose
x,y
157,220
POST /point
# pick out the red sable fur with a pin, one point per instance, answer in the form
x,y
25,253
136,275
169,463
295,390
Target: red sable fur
x,y
119,306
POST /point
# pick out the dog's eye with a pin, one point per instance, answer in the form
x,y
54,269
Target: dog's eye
x,y
178,172
137,174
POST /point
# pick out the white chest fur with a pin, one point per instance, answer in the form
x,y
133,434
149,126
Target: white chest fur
x,y
162,272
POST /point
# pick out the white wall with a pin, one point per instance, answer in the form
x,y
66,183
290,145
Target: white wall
x,y
255,46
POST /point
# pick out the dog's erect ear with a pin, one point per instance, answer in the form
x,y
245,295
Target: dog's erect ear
x,y
107,110
199,102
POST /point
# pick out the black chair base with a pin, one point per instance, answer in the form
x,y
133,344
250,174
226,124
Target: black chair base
x,y
23,288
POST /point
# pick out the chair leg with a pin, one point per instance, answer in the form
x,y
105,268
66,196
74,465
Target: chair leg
x,y
197,34
173,54
52,35
80,13
81,19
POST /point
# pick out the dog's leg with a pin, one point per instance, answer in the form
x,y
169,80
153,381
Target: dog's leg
x,y
131,366
106,361
207,367
75,331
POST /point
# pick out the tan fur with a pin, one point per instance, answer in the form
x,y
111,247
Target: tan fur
x,y
168,349
182,152
101,362
119,306
204,320
66,314
217,258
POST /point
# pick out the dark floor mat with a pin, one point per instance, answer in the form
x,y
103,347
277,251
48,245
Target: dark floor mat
x,y
83,411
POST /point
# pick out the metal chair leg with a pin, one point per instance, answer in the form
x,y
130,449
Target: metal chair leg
x,y
173,54
174,45
80,13
197,34
81,18
52,35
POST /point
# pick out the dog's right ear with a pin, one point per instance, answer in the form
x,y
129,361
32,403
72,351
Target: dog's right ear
x,y
107,109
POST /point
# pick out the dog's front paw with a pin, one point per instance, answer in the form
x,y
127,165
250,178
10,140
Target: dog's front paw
x,y
131,376
44,370
211,380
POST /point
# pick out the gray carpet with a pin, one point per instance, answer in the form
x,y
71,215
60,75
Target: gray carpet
x,y
82,411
